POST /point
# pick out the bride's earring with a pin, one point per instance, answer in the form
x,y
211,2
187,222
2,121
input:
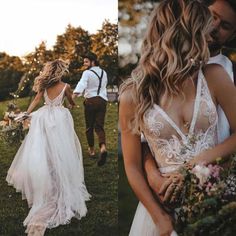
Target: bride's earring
x,y
195,63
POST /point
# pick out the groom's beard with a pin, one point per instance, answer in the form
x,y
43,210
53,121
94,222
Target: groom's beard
x,y
89,66
214,47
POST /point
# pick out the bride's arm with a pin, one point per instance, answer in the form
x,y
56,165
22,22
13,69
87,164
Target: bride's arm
x,y
35,102
224,93
152,172
131,147
68,94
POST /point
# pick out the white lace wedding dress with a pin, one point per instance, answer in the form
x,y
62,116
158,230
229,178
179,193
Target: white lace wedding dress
x,y
48,169
171,147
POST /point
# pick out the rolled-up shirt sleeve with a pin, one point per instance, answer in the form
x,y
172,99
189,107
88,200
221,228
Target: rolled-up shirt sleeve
x,y
82,84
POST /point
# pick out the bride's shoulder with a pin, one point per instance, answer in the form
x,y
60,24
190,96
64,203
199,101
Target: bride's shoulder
x,y
215,72
127,92
218,80
66,86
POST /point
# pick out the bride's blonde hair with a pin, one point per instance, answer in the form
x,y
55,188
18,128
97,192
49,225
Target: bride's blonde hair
x,y
50,74
172,50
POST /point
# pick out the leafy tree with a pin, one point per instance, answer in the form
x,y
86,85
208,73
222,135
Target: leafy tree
x,y
33,63
105,46
72,45
11,70
17,74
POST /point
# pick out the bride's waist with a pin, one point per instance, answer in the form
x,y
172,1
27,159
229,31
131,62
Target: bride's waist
x,y
53,105
168,169
52,108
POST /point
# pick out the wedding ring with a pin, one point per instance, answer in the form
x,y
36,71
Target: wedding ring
x,y
174,181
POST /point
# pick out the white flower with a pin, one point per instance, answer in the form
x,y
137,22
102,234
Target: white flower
x,y
202,173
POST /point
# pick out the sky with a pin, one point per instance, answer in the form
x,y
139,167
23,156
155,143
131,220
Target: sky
x,y
26,23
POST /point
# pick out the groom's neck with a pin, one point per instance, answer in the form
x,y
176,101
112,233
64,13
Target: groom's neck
x,y
215,53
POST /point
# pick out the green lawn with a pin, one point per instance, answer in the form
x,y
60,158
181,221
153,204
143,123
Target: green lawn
x,y
127,202
102,184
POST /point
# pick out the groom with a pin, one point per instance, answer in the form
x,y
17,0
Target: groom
x,y
224,34
93,84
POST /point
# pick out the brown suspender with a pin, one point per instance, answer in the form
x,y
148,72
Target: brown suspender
x,y
100,80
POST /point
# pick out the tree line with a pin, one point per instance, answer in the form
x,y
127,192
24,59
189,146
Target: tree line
x,y
17,74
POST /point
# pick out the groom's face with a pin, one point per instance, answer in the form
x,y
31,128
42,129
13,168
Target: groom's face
x,y
224,20
87,63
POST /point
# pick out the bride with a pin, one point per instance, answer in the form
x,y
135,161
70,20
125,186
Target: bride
x,y
171,99
48,167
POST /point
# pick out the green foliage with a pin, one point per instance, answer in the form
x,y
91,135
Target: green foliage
x,y
17,74
208,208
12,135
105,45
72,45
11,70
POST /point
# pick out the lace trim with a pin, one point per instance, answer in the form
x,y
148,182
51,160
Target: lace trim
x,y
57,101
177,150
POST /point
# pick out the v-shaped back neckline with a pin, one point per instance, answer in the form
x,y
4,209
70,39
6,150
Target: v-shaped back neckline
x,y
195,111
57,95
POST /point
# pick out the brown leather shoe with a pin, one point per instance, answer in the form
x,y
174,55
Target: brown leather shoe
x,y
102,158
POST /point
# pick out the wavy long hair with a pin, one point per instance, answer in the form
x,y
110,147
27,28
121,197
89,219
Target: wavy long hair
x,y
51,73
173,49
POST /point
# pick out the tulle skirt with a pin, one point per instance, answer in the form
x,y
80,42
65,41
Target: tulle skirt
x,y
48,170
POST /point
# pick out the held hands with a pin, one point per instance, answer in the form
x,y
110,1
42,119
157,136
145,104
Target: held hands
x,y
167,187
173,184
172,187
74,95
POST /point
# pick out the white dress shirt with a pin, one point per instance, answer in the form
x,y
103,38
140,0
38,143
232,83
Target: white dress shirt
x,y
223,127
89,83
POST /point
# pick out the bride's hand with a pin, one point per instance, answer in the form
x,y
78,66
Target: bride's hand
x,y
171,188
165,225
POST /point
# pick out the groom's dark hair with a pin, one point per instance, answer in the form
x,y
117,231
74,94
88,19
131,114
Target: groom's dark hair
x,y
208,2
232,3
92,57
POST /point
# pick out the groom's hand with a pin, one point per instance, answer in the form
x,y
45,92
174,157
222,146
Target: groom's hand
x,y
172,187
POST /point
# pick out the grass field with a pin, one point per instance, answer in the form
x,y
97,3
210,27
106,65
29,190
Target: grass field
x,y
102,184
127,202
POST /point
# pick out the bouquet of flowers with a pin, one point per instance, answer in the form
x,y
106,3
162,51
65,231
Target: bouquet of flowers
x,y
208,201
14,125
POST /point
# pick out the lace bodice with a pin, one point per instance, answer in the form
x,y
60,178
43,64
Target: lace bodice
x,y
57,101
170,146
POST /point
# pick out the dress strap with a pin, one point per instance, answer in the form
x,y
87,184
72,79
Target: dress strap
x,y
197,102
63,90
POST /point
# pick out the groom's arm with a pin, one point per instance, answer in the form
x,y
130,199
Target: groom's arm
x,y
153,175
82,84
163,187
